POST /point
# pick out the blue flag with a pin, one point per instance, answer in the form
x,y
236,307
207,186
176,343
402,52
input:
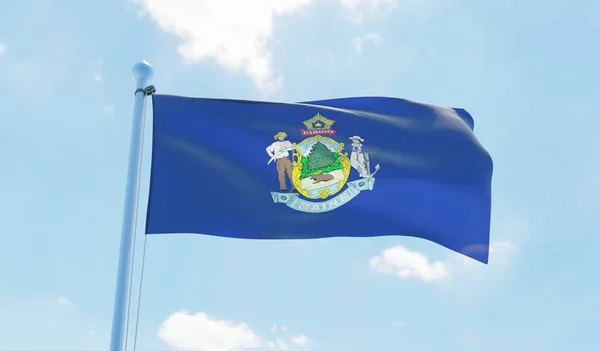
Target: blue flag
x,y
352,167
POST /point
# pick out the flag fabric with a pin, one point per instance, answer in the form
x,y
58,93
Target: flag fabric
x,y
349,167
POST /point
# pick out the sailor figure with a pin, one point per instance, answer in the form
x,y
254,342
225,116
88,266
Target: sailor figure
x,y
356,143
359,160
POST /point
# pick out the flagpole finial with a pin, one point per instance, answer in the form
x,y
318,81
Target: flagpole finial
x,y
142,71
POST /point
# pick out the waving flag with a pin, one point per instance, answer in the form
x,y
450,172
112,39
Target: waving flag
x,y
352,167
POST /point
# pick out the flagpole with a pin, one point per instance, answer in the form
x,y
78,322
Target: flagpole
x,y
142,72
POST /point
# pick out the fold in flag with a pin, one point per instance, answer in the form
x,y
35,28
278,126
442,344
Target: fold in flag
x,y
351,167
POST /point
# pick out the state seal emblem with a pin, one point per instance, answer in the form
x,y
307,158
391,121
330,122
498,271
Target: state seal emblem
x,y
319,169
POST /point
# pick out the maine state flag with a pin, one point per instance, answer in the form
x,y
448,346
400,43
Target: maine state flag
x,y
350,167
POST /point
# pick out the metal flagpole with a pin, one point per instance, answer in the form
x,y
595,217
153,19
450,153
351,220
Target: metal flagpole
x,y
142,72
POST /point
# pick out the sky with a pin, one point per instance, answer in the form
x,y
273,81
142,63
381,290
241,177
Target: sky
x,y
526,70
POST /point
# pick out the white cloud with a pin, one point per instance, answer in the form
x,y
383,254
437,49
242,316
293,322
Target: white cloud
x,y
300,340
235,33
501,253
282,345
372,37
407,264
98,67
358,8
62,300
502,246
354,4
199,332
2,49
509,233
403,263
285,328
475,282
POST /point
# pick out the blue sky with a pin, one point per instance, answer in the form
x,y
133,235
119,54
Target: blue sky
x,y
526,70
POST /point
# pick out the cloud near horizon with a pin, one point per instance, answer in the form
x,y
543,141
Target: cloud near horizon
x,y
199,332
372,37
404,263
